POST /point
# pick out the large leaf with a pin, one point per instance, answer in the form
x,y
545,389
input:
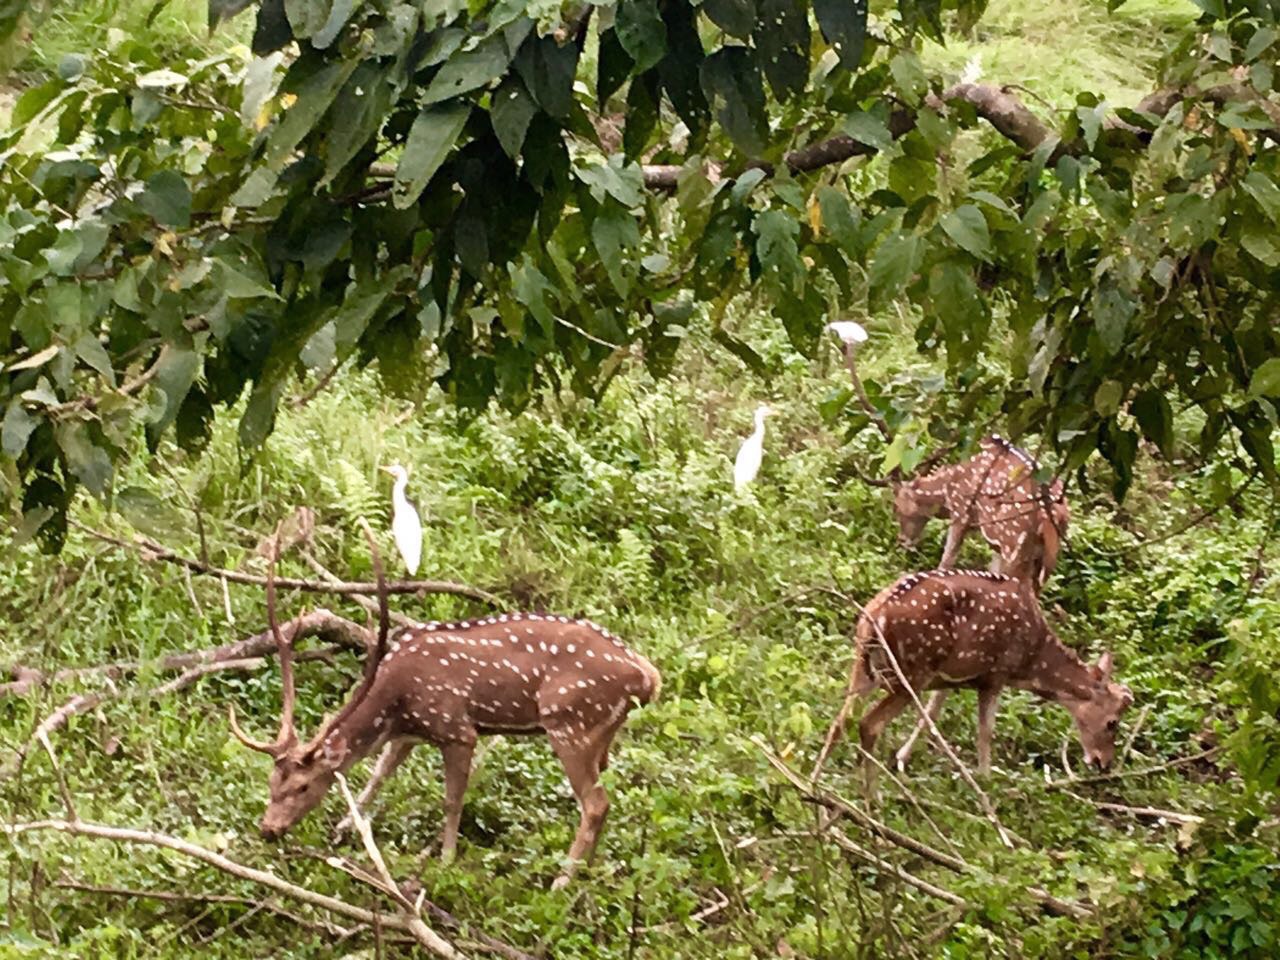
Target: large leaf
x,y
431,138
616,235
731,80
315,93
782,39
641,32
167,199
468,70
735,17
510,111
896,260
844,25
776,248
967,227
1265,381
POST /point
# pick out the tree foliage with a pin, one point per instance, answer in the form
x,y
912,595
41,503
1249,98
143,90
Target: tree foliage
x,y
495,197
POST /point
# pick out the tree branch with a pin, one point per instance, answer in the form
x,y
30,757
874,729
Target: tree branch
x,y
155,551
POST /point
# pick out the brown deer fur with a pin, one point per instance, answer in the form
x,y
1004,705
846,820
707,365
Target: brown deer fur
x,y
996,493
962,628
450,683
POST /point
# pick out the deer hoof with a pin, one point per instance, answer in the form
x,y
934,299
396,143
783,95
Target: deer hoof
x,y
900,760
448,855
560,882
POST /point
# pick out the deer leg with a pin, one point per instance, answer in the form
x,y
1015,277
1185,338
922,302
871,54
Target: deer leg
x,y
856,685
988,697
872,725
582,758
934,708
955,539
457,771
393,754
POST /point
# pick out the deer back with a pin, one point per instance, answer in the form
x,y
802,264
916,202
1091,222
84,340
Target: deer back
x,y
949,628
515,673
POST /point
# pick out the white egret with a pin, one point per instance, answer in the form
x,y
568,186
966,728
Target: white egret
x,y
406,527
747,463
848,331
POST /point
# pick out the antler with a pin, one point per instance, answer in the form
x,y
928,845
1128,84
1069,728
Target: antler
x,y
288,736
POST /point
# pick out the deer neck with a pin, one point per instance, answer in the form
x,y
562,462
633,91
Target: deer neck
x,y
1058,674
358,730
931,489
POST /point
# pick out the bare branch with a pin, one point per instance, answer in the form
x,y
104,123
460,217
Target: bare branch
x,y
412,920
154,551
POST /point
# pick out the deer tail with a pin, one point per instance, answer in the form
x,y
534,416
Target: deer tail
x,y
653,679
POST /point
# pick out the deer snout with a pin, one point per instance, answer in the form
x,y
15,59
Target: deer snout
x,y
271,831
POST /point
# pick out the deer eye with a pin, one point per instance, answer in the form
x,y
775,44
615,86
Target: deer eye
x,y
1113,725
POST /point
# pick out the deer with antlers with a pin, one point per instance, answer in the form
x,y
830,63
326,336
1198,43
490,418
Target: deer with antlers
x,y
947,629
449,683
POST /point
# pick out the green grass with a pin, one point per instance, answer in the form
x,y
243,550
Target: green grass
x,y
1058,50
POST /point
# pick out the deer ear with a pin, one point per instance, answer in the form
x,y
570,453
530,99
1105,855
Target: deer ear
x,y
1105,664
333,750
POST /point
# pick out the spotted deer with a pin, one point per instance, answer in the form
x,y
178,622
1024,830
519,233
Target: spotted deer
x,y
448,684
948,629
996,493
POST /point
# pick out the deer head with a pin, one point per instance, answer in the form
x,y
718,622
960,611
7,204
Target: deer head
x,y
303,773
1097,716
914,508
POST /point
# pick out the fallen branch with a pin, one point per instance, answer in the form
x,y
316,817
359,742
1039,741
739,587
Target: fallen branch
x,y
409,911
241,871
332,629
844,843
1126,774
155,551
813,793
1173,816
173,896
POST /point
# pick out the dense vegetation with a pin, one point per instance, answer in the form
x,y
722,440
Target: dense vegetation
x,y
610,498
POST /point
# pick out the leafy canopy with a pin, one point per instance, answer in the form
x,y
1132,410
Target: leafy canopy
x,y
500,196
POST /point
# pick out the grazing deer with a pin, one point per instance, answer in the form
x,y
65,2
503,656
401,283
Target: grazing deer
x,y
996,493
449,683
963,628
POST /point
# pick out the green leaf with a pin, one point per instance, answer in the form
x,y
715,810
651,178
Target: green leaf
x,y
967,227
16,429
641,32
90,349
1264,190
615,178
432,136
1106,400
735,17
314,94
776,249
616,236
844,25
176,371
1265,381
1155,417
1112,311
614,66
782,39
839,219
147,513
237,283
220,10
755,363
868,128
89,462
1261,244
510,110
167,199
731,79
469,70
896,260
547,68
363,104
